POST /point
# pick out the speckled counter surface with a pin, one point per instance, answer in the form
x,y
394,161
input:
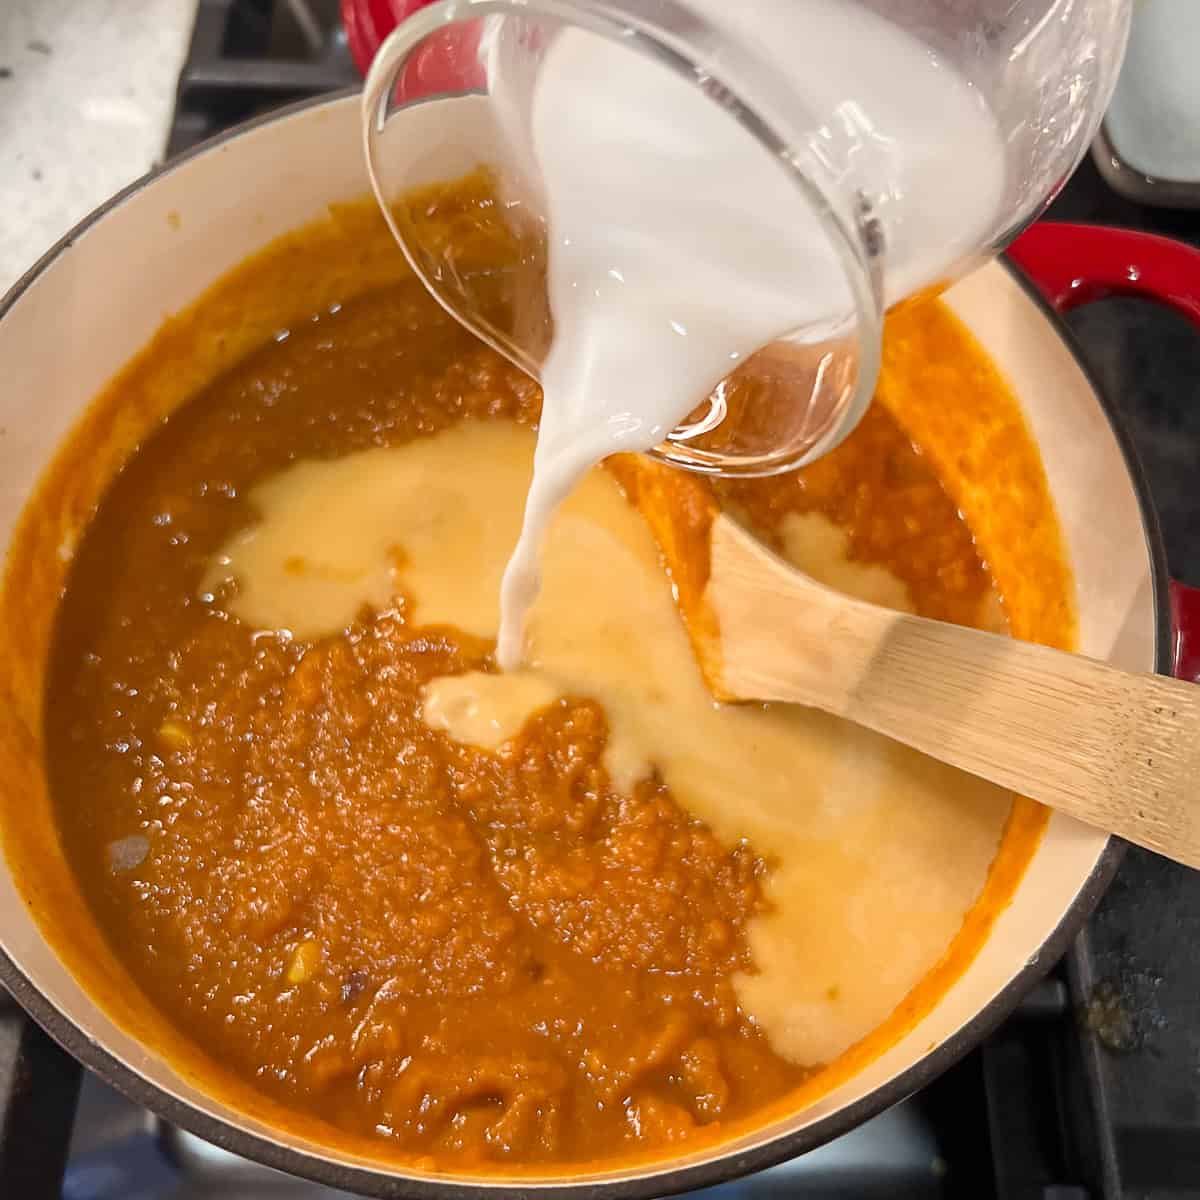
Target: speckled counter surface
x,y
87,88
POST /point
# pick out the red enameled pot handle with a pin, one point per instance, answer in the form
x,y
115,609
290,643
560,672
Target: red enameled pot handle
x,y
1075,264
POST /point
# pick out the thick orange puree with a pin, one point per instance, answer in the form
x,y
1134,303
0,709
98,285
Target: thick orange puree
x,y
465,957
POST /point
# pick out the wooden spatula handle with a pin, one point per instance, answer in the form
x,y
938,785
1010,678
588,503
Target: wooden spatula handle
x,y
1118,750
1114,749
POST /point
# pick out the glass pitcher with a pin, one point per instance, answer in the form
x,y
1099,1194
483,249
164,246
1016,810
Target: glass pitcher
x,y
864,217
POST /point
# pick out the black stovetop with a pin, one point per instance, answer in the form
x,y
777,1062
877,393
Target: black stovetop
x,y
1091,1091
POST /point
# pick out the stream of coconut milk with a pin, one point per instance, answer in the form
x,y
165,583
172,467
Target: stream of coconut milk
x,y
678,246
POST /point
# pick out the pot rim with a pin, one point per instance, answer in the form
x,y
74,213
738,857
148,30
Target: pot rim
x,y
382,1181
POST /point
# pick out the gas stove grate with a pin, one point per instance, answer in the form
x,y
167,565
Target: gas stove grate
x,y
249,56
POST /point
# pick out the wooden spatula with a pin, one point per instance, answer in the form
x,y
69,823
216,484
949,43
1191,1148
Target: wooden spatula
x,y
1117,750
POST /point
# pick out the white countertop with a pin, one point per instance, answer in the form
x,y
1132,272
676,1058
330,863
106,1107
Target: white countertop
x,y
86,96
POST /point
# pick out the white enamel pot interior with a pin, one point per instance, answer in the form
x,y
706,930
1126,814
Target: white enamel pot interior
x,y
99,296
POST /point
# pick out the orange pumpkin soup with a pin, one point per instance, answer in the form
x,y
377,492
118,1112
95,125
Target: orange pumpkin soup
x,y
518,949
